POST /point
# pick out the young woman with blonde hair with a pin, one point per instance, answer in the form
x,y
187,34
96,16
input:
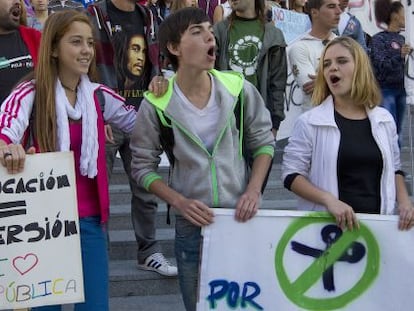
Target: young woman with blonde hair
x,y
61,109
343,154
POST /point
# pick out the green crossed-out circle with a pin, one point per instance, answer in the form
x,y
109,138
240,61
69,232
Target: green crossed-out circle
x,y
295,291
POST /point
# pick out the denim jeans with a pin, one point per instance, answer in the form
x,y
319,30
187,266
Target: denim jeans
x,y
394,100
143,203
187,252
95,268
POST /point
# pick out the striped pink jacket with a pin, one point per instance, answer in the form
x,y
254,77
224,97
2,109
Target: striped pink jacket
x,y
16,114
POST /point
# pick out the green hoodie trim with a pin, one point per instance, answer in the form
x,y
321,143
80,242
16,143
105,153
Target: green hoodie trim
x,y
232,81
241,125
215,185
161,102
149,179
162,118
269,150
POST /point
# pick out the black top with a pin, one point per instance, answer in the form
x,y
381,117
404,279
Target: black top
x,y
132,65
359,166
15,62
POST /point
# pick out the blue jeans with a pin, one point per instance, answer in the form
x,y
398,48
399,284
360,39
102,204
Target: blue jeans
x,y
187,252
394,100
95,268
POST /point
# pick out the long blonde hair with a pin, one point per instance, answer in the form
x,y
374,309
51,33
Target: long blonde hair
x,y
364,90
46,75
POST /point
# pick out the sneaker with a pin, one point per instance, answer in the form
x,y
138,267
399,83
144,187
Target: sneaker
x,y
157,262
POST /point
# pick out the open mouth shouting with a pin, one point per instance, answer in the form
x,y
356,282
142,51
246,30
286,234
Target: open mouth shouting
x,y
211,53
334,79
16,12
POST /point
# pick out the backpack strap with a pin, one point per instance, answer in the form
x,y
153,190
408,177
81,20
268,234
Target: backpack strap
x,y
167,144
239,115
166,136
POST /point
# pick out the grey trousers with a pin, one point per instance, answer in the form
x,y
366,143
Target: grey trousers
x,y
143,203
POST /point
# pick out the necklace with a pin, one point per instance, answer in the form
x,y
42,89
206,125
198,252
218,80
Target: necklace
x,y
73,90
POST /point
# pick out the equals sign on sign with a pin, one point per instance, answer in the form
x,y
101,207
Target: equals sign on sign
x,y
14,208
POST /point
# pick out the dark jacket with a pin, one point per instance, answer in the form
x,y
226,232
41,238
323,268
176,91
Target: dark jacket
x,y
388,64
271,69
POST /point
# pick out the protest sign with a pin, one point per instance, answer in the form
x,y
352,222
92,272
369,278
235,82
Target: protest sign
x,y
291,260
293,25
40,259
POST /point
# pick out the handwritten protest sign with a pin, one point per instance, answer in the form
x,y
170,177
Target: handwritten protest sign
x,y
293,25
290,260
40,261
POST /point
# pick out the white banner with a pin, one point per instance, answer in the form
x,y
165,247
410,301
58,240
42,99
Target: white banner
x,y
290,260
40,259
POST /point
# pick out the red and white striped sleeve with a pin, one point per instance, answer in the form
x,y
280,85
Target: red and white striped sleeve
x,y
116,112
15,112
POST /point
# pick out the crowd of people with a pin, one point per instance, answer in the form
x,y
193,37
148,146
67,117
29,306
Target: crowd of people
x,y
90,78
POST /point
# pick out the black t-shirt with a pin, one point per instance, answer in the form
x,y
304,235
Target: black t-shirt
x,y
132,64
359,166
15,62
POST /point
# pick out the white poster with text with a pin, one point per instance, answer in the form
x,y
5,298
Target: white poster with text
x,y
291,260
40,258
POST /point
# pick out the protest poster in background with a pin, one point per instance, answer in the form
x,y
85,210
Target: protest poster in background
x,y
365,12
40,258
292,260
293,25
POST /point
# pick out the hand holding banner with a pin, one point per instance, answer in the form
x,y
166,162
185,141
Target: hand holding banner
x,y
291,260
40,261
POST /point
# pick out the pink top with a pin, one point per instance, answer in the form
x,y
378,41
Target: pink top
x,y
15,115
87,189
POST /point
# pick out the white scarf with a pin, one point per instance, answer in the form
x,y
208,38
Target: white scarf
x,y
84,109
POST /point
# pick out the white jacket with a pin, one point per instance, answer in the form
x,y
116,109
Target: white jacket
x,y
312,152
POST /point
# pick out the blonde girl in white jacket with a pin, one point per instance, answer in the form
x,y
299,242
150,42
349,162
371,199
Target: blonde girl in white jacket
x,y
343,155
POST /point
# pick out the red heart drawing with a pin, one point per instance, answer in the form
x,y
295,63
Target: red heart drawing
x,y
24,264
